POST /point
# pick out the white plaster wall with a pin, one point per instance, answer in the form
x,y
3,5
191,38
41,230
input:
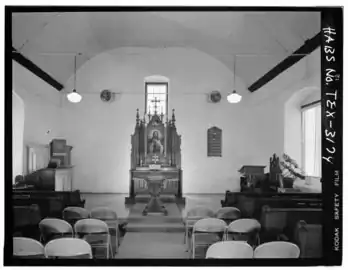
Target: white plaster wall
x,y
100,132
42,110
17,134
307,91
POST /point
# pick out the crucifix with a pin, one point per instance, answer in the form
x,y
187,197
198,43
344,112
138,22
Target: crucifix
x,y
155,101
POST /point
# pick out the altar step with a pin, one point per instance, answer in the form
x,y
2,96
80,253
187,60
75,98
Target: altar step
x,y
173,222
154,219
145,198
143,227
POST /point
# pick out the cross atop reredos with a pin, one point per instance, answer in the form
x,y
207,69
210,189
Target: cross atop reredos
x,y
155,101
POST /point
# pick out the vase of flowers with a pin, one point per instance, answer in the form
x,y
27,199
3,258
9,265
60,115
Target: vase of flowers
x,y
290,169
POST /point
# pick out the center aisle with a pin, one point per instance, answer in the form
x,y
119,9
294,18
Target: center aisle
x,y
154,236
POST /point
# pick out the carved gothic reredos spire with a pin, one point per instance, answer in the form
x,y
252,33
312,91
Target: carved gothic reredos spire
x,y
137,117
173,117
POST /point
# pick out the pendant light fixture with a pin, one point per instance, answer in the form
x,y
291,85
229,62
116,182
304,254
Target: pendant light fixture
x,y
234,97
74,97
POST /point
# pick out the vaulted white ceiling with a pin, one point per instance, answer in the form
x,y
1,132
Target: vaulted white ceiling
x,y
260,39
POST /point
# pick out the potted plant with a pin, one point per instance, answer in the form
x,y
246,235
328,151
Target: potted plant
x,y
290,171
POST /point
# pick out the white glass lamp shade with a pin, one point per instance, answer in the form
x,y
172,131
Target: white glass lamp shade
x,y
74,97
234,97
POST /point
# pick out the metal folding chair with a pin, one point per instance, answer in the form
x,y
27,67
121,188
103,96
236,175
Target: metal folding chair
x,y
228,214
245,229
192,216
206,232
71,248
230,250
72,214
27,248
96,233
109,216
53,228
277,250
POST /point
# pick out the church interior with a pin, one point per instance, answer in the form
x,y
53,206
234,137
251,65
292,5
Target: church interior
x,y
166,135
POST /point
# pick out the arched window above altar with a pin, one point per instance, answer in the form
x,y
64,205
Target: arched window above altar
x,y
156,95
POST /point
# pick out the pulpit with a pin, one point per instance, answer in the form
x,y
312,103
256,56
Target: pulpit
x,y
155,152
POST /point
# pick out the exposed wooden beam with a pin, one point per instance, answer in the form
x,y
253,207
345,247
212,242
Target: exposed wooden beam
x,y
310,104
309,46
25,62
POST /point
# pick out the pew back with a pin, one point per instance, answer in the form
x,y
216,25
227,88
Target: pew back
x,y
250,204
284,220
309,239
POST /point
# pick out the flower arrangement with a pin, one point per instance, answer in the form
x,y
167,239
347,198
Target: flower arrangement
x,y
290,168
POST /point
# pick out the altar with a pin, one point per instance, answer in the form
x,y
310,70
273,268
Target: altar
x,y
156,150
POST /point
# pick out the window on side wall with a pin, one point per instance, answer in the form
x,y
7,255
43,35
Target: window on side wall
x,y
311,139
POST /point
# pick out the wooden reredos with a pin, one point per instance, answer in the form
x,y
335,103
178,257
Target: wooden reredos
x,y
155,142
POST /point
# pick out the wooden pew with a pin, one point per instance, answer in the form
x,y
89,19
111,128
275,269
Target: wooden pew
x,y
50,203
251,203
280,223
25,221
309,239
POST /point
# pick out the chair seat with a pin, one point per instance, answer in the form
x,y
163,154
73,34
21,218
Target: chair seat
x,y
34,256
201,251
95,239
80,256
206,239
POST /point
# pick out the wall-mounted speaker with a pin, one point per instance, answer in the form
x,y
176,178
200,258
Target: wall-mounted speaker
x,y
107,96
214,97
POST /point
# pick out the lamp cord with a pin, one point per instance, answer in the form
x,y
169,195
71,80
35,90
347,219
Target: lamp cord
x,y
234,74
75,74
